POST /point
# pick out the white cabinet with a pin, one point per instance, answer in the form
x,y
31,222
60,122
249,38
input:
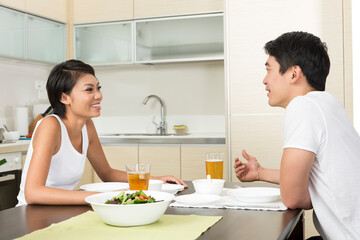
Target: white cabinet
x,y
175,39
108,43
45,40
12,24
26,37
187,38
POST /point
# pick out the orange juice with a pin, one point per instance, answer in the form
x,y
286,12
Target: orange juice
x,y
214,168
138,180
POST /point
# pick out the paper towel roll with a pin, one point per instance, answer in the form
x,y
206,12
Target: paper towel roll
x,y
22,120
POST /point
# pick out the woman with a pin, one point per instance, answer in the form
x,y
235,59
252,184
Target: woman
x,y
62,141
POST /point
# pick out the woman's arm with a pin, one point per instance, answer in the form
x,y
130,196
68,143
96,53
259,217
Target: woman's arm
x,y
46,143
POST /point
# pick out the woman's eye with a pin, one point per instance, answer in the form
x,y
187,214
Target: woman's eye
x,y
99,87
89,89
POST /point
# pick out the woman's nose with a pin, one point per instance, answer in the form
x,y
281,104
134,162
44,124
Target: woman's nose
x,y
98,95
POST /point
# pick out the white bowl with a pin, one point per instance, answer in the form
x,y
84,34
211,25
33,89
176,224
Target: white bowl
x,y
129,215
155,185
11,136
204,186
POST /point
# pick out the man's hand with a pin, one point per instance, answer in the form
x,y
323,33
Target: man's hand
x,y
247,172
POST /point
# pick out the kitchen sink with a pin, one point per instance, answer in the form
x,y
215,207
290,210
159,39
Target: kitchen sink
x,y
141,134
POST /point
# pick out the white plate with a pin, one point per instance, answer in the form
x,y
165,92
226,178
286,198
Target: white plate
x,y
105,187
197,199
172,188
255,194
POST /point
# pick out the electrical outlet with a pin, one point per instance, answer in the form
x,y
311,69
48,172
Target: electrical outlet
x,y
40,85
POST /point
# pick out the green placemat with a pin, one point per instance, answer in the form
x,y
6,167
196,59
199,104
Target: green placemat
x,y
89,226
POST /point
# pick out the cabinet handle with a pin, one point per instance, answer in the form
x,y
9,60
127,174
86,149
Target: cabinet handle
x,y
7,177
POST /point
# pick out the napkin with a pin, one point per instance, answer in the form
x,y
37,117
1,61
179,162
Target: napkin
x,y
88,226
228,202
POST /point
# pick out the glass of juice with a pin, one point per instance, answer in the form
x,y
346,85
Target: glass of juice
x,y
214,165
138,175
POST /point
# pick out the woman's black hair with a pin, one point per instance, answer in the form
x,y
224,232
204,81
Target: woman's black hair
x,y
62,79
304,50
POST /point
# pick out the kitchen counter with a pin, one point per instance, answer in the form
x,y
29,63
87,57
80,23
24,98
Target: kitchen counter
x,y
18,146
196,138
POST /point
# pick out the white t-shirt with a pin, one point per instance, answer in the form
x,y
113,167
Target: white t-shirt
x,y
66,167
317,122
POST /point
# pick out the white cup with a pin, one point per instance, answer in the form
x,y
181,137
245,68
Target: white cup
x,y
155,185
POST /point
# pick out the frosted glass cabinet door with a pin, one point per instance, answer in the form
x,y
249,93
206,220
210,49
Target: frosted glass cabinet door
x,y
180,39
102,44
12,33
45,40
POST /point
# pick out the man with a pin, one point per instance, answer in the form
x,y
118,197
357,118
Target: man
x,y
321,151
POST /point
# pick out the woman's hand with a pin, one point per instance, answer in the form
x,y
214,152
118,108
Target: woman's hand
x,y
170,179
247,172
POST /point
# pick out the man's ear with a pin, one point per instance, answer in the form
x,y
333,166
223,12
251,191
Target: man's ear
x,y
296,73
64,98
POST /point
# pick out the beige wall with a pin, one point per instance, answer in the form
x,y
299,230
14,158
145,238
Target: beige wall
x,y
253,125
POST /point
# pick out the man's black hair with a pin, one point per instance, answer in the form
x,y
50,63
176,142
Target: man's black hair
x,y
304,50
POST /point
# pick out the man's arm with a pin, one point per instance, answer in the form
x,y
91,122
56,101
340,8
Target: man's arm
x,y
293,175
295,170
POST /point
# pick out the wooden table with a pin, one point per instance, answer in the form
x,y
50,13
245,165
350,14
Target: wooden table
x,y
235,224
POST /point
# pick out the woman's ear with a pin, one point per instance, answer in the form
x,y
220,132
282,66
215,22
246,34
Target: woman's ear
x,y
64,98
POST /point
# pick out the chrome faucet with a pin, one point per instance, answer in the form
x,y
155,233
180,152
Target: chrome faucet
x,y
162,125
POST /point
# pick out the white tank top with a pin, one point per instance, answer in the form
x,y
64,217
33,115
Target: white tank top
x,y
66,167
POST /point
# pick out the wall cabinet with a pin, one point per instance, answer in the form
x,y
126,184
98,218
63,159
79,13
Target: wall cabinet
x,y
180,39
193,161
46,40
108,43
86,11
190,38
12,24
56,9
16,4
156,8
27,37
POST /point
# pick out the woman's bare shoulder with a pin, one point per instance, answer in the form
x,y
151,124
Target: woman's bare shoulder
x,y
50,123
48,130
